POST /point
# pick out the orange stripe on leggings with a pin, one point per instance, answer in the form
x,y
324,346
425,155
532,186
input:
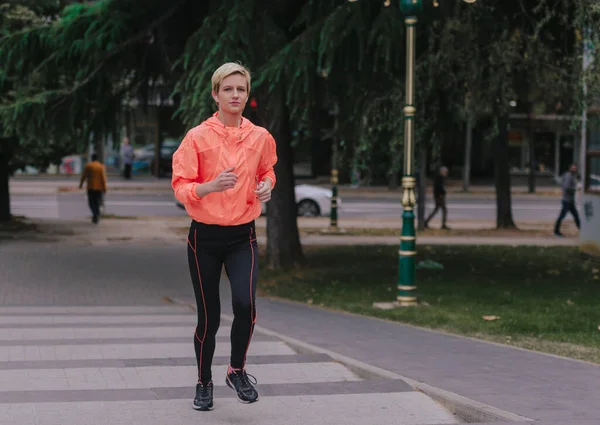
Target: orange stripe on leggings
x,y
252,313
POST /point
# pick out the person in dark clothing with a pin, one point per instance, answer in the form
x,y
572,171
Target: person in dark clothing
x,y
569,187
439,194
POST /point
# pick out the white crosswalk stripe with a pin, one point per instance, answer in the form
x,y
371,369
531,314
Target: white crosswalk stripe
x,y
75,365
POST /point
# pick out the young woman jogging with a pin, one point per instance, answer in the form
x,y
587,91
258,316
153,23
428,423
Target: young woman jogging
x,y
222,172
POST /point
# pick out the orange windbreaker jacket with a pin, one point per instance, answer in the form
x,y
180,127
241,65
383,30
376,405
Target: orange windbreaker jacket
x,y
205,152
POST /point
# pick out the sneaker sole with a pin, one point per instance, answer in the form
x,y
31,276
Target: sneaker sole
x,y
202,409
230,385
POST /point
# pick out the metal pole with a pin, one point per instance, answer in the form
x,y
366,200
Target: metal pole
x,y
334,193
407,253
333,225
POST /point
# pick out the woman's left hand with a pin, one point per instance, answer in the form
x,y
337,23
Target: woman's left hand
x,y
263,191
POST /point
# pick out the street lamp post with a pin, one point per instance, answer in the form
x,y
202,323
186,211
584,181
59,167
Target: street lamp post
x,y
333,216
408,243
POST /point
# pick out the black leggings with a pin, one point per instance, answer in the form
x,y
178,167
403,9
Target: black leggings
x,y
209,248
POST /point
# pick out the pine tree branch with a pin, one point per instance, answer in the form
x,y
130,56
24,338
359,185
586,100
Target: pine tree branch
x,y
137,37
164,55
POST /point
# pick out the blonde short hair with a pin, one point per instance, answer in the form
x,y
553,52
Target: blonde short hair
x,y
225,71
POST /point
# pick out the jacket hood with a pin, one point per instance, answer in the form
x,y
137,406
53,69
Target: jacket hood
x,y
222,130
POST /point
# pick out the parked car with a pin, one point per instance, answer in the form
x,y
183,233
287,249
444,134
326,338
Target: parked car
x,y
144,157
167,149
311,201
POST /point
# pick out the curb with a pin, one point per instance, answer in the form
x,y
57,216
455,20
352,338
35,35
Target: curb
x,y
467,410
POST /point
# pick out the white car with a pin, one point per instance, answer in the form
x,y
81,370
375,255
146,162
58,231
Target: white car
x,y
311,201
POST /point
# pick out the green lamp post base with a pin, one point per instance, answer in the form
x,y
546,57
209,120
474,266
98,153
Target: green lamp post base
x,y
411,7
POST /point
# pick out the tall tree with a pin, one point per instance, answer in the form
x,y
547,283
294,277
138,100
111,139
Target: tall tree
x,y
123,49
15,16
222,37
66,75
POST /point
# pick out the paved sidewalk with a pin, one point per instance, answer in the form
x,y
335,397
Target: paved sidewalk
x,y
48,185
27,186
520,384
548,389
173,230
134,365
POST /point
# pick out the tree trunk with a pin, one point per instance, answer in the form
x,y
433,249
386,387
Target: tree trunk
x,y
532,159
468,149
504,219
99,145
4,188
531,146
7,146
532,167
284,250
393,179
314,127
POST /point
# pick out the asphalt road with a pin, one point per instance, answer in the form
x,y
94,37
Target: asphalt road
x,y
74,205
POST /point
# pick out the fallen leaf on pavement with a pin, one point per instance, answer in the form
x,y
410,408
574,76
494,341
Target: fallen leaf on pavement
x,y
490,318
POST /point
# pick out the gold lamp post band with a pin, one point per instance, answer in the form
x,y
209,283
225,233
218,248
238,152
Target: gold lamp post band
x,y
407,253
406,288
406,301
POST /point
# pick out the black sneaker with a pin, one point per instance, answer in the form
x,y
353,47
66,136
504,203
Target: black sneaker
x,y
204,397
240,382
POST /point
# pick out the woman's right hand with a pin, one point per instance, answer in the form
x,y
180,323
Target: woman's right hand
x,y
226,180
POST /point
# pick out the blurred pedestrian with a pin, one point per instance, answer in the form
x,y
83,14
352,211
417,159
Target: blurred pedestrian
x,y
95,174
439,194
127,155
222,172
569,188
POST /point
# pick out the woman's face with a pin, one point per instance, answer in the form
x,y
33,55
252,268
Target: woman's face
x,y
232,94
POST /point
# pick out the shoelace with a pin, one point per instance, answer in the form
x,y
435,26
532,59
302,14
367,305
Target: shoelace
x,y
245,380
204,393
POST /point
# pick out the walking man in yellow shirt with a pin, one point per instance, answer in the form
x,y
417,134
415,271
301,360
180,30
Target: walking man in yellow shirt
x,y
95,175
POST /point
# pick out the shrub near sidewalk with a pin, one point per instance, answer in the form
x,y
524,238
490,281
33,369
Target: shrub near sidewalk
x,y
544,299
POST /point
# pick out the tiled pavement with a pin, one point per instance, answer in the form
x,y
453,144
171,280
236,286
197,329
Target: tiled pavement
x,y
131,365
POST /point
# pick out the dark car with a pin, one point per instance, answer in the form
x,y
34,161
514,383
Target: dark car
x,y
167,149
